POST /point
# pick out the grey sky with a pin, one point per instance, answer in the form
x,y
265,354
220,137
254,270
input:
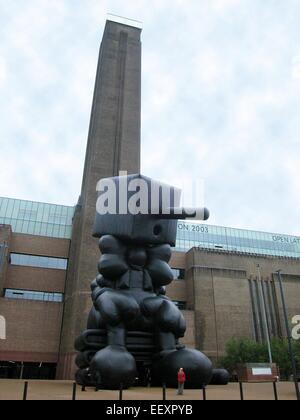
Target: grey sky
x,y
220,100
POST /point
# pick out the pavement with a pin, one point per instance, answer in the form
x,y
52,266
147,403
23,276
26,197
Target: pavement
x,y
63,390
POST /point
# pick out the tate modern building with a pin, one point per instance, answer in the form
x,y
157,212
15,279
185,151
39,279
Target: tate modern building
x,y
48,256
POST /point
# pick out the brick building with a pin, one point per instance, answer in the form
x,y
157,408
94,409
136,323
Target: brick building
x,y
216,285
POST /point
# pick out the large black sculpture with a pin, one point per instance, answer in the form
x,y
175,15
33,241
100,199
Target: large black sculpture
x,y
133,328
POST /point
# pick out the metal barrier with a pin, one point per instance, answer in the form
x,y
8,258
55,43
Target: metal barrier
x,y
73,391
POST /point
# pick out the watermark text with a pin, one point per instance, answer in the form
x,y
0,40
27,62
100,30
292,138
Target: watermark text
x,y
296,329
135,195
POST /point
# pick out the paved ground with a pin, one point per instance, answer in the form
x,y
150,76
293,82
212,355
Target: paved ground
x,y
62,390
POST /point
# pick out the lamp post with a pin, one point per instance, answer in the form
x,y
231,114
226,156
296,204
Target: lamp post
x,y
289,335
264,314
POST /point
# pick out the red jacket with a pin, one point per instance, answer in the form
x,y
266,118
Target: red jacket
x,y
181,377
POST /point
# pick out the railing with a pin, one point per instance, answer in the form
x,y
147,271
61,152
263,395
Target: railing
x,y
68,390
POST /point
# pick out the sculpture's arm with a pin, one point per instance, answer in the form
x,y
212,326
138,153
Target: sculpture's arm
x,y
112,263
158,267
99,285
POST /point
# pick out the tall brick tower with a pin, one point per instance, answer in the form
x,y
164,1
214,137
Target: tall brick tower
x,y
113,145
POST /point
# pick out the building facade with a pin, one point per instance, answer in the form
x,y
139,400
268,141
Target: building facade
x,y
48,256
34,253
218,289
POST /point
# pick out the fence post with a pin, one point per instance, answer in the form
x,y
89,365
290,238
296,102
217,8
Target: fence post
x,y
275,391
25,392
121,392
74,391
241,391
164,392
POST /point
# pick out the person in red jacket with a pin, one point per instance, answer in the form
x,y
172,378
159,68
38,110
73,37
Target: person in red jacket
x,y
181,381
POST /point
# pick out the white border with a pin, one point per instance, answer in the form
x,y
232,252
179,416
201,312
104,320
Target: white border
x,y
125,21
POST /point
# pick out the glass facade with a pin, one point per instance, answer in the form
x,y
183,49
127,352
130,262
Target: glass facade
x,y
190,235
32,295
37,261
31,370
56,221
35,218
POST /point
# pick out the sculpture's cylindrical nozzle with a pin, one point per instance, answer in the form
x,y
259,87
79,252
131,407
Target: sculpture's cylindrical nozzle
x,y
179,213
200,213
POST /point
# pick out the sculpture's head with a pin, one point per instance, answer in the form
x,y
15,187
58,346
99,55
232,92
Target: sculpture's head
x,y
138,209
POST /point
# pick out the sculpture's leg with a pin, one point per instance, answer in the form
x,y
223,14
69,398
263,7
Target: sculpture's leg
x,y
116,335
168,320
170,326
114,365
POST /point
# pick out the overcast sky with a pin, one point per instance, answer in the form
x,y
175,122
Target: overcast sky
x,y
220,100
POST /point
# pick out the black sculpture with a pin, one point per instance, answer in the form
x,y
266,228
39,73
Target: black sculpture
x,y
133,328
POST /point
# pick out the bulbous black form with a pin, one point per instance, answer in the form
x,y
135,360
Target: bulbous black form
x,y
115,366
197,367
220,377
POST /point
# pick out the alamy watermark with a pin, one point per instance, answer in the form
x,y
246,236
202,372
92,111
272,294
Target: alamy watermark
x,y
140,195
2,328
296,329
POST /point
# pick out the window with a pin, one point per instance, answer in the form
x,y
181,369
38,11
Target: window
x,y
180,304
178,273
191,235
37,218
37,261
33,295
27,214
13,369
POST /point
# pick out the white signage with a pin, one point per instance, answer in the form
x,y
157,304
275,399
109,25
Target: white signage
x,y
261,371
2,328
296,329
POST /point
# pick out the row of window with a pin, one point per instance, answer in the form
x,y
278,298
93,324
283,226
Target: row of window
x,y
178,273
52,297
32,295
61,263
31,370
180,304
37,261
191,235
